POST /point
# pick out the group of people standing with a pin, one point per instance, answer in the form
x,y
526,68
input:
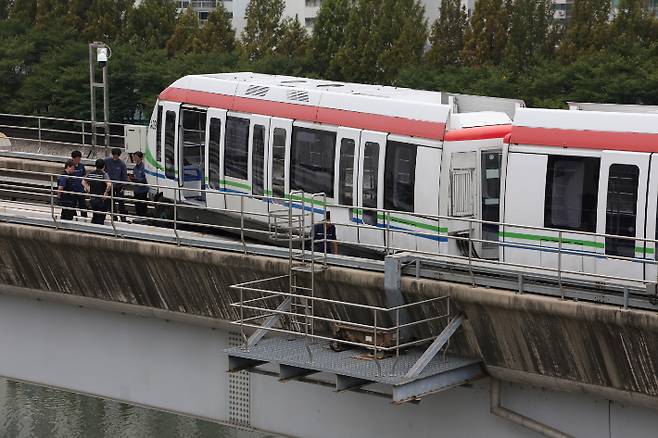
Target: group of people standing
x,y
107,181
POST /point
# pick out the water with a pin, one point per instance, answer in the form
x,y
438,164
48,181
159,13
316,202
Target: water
x,y
30,411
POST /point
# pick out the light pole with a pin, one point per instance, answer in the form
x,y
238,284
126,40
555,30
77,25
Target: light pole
x,y
99,52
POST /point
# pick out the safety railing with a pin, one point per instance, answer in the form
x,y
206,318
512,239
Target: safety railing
x,y
256,216
381,330
42,131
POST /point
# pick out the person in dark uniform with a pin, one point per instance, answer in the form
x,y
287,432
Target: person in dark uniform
x,y
139,176
80,171
117,170
98,185
322,229
67,199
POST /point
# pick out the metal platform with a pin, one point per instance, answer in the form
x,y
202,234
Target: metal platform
x,y
356,368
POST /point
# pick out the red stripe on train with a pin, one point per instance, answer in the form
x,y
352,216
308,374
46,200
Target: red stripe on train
x,y
308,113
478,133
620,141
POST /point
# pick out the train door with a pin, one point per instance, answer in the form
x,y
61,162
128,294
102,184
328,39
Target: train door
x,y
215,131
650,269
192,155
347,142
622,202
170,136
279,158
463,195
371,189
490,166
259,133
236,164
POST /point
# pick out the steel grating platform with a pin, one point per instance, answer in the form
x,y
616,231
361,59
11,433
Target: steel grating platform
x,y
354,368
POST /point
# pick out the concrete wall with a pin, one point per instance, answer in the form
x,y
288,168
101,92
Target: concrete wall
x,y
542,341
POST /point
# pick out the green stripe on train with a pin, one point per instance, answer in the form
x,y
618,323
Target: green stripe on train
x,y
587,243
404,221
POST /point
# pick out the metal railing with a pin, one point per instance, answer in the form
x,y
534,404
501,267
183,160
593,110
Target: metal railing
x,y
382,327
257,215
41,131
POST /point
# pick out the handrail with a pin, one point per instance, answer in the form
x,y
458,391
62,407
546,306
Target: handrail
x,y
304,222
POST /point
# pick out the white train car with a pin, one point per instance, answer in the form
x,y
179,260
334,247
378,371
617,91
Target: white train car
x,y
364,146
578,174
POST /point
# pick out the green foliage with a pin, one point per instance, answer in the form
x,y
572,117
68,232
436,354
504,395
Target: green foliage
x,y
531,34
447,36
486,36
381,37
151,24
105,20
217,35
294,39
186,33
587,29
262,31
329,36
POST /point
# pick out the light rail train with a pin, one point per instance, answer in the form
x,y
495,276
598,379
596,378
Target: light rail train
x,y
418,154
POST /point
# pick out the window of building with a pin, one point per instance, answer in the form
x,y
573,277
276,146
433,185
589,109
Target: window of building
x,y
236,147
170,143
346,172
278,162
258,160
312,161
370,177
621,209
571,193
400,176
213,152
158,136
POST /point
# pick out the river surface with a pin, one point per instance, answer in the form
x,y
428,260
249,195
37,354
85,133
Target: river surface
x,y
30,411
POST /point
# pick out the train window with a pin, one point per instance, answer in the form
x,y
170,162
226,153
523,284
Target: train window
x,y
312,161
346,172
621,209
236,147
258,159
278,162
214,139
170,138
158,136
370,179
399,176
194,145
490,187
571,193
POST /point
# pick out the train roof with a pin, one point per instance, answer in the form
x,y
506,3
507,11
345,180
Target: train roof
x,y
402,111
625,131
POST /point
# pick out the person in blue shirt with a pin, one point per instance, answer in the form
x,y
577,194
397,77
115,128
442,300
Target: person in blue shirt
x,y
118,172
67,198
139,176
80,172
98,184
325,233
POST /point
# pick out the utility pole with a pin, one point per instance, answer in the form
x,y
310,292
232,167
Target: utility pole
x,y
99,52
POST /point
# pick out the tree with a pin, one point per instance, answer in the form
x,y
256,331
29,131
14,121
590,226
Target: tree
x,y
447,36
586,28
106,19
633,23
486,36
531,33
263,28
186,33
23,11
4,9
151,24
329,36
217,35
381,38
49,12
76,16
294,39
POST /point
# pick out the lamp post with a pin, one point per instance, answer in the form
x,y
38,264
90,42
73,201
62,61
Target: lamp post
x,y
99,52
